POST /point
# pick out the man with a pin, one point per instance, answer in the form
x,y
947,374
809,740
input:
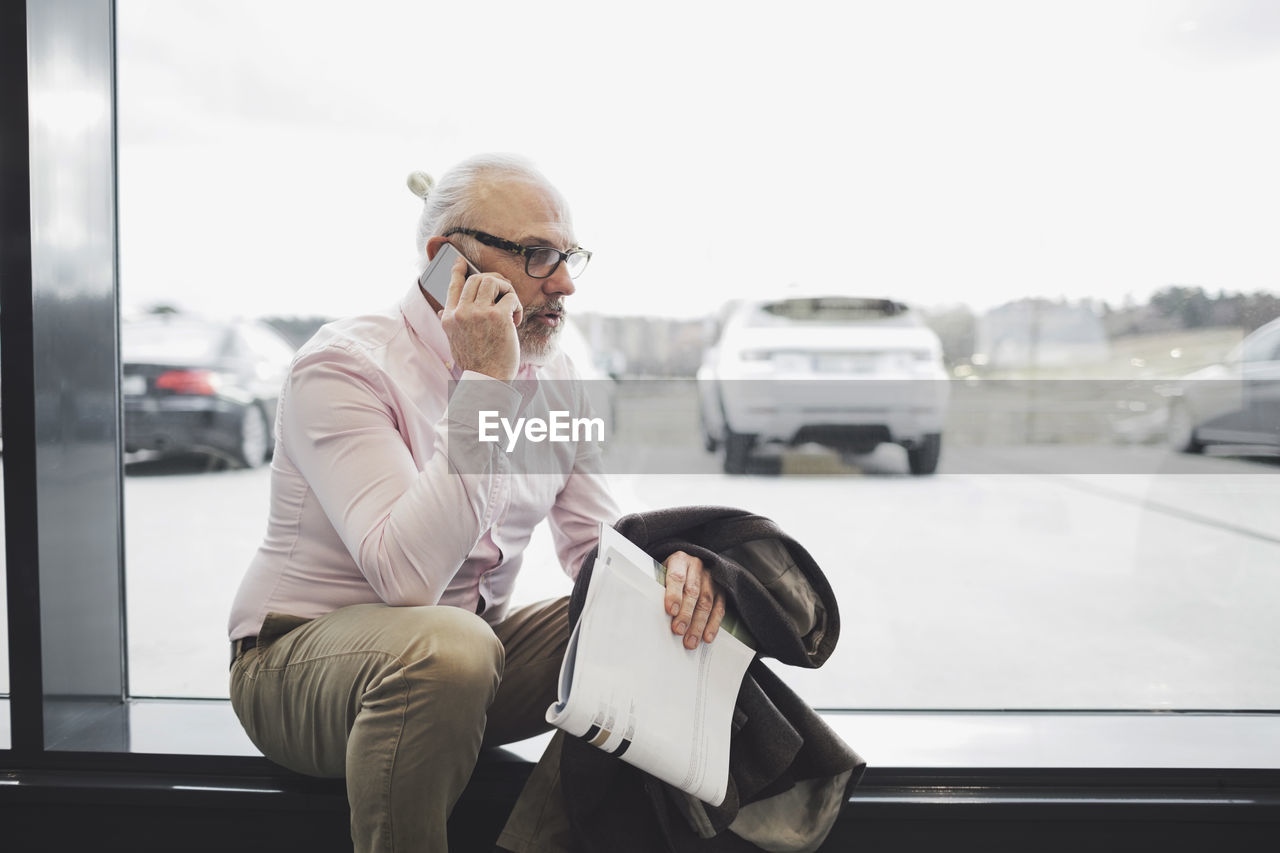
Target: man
x,y
372,636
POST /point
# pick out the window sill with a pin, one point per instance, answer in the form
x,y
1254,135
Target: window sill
x,y
1045,781
905,740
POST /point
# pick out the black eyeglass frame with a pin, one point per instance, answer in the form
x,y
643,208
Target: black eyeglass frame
x,y
518,249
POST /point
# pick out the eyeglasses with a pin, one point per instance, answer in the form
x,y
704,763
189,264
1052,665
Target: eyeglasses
x,y
539,261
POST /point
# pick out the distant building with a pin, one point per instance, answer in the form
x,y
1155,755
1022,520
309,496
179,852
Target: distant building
x,y
1040,333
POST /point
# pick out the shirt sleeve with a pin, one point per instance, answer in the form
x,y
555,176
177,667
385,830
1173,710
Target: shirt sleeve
x,y
408,531
583,503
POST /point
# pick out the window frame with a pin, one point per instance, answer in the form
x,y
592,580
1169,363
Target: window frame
x,y
91,730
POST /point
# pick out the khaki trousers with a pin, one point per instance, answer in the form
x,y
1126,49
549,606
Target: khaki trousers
x,y
399,701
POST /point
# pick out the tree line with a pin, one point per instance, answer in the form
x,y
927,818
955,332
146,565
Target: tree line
x,y
1181,307
1170,309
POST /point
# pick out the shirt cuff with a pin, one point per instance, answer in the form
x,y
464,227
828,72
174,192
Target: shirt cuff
x,y
476,392
477,404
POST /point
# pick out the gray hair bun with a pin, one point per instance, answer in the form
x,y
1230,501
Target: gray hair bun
x,y
420,183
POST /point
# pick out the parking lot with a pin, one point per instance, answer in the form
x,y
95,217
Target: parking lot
x,y
1017,577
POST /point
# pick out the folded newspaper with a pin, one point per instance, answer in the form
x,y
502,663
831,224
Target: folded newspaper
x,y
630,687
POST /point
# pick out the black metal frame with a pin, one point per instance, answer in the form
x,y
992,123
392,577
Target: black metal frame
x,y
18,390
518,249
105,785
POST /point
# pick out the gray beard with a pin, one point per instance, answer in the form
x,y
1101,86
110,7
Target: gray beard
x,y
537,346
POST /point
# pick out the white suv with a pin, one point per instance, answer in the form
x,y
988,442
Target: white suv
x,y
844,372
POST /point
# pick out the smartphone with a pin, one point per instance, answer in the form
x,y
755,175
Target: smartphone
x,y
439,272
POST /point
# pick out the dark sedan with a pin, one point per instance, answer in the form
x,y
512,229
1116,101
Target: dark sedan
x,y
199,386
1233,403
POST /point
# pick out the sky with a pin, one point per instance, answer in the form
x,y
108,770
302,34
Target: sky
x,y
935,152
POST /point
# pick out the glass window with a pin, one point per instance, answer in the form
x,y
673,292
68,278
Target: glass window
x,y
1048,518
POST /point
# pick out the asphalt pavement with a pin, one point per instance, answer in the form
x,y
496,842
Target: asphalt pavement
x,y
1015,578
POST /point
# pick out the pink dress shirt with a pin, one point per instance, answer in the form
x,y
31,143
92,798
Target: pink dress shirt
x,y
382,492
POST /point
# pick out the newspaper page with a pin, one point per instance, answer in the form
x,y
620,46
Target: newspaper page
x,y
630,687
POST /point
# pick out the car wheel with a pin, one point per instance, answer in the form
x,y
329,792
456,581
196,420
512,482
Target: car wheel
x,y
737,451
1181,429
709,442
251,451
923,458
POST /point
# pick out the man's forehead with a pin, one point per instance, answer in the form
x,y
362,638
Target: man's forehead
x,y
527,211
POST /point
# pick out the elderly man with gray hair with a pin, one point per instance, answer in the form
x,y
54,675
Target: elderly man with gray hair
x,y
372,635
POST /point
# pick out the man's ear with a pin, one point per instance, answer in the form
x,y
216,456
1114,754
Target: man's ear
x,y
433,246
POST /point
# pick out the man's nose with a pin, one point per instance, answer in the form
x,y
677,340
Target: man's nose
x,y
559,282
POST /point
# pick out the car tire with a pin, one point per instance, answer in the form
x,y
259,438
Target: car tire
x,y
1182,429
709,442
254,439
737,451
923,458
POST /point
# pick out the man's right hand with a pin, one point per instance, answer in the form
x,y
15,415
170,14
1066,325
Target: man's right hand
x,y
480,317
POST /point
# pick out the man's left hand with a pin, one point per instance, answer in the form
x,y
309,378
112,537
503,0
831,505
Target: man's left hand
x,y
692,600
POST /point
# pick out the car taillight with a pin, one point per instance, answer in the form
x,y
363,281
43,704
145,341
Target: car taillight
x,y
201,382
